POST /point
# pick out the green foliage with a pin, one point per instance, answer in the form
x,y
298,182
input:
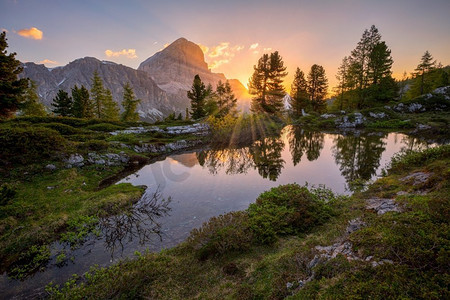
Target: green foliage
x,y
317,88
220,235
394,123
93,145
62,104
408,160
198,94
29,144
299,94
7,193
83,107
226,101
286,209
266,84
78,229
61,128
110,107
129,104
31,104
98,95
105,127
30,261
11,88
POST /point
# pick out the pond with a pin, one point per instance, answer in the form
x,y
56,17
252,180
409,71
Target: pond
x,y
185,190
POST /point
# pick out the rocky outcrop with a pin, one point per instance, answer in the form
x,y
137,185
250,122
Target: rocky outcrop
x,y
155,103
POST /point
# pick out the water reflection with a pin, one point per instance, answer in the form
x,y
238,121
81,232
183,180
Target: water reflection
x,y
358,156
140,222
301,141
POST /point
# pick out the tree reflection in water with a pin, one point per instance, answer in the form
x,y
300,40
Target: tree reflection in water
x,y
358,156
302,141
140,222
263,155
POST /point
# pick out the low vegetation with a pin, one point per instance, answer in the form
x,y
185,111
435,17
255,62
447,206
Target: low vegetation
x,y
231,257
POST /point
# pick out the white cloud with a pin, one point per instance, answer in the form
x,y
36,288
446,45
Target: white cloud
x,y
268,49
217,63
31,33
48,62
254,46
128,53
220,54
4,29
256,52
204,48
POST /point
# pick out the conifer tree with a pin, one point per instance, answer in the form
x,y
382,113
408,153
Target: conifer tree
x,y
198,94
343,80
98,95
299,93
31,104
129,105
110,107
11,88
226,101
317,87
62,104
82,104
426,65
266,84
380,63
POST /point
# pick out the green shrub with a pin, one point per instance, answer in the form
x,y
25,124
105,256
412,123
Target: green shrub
x,y
31,261
106,127
222,234
408,160
28,144
93,145
286,209
394,123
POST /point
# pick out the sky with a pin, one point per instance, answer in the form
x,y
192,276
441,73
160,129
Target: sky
x,y
233,33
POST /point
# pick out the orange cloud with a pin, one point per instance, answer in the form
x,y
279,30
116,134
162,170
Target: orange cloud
x,y
268,49
48,62
254,46
204,48
128,53
217,63
3,29
31,33
220,54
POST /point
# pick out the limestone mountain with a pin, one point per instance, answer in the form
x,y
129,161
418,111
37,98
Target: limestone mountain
x,y
161,81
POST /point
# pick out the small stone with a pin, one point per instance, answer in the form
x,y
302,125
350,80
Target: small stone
x,y
50,187
50,167
355,225
289,285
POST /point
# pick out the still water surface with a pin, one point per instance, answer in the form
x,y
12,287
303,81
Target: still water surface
x,y
185,190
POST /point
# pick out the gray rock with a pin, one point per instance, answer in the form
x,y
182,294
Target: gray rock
x,y
354,225
422,126
50,167
75,160
50,187
417,178
380,115
327,116
382,205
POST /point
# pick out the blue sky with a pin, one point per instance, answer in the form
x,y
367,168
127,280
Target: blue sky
x,y
234,34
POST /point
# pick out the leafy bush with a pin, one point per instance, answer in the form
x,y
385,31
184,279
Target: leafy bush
x,y
286,209
106,127
31,261
222,234
408,160
28,144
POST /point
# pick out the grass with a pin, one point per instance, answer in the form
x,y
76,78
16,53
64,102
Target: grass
x,y
416,241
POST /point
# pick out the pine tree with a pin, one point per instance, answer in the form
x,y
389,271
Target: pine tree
x,y
11,88
317,87
299,93
360,58
82,104
62,104
31,104
343,79
266,84
98,95
426,65
110,107
198,94
129,105
187,114
380,63
226,101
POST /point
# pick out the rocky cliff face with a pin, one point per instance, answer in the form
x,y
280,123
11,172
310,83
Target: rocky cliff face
x,y
154,102
161,81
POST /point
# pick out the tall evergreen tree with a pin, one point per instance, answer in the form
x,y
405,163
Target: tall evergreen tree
x,y
426,65
360,58
299,93
31,104
380,63
11,88
343,80
98,95
266,84
317,87
198,94
62,104
110,107
82,104
129,105
226,101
